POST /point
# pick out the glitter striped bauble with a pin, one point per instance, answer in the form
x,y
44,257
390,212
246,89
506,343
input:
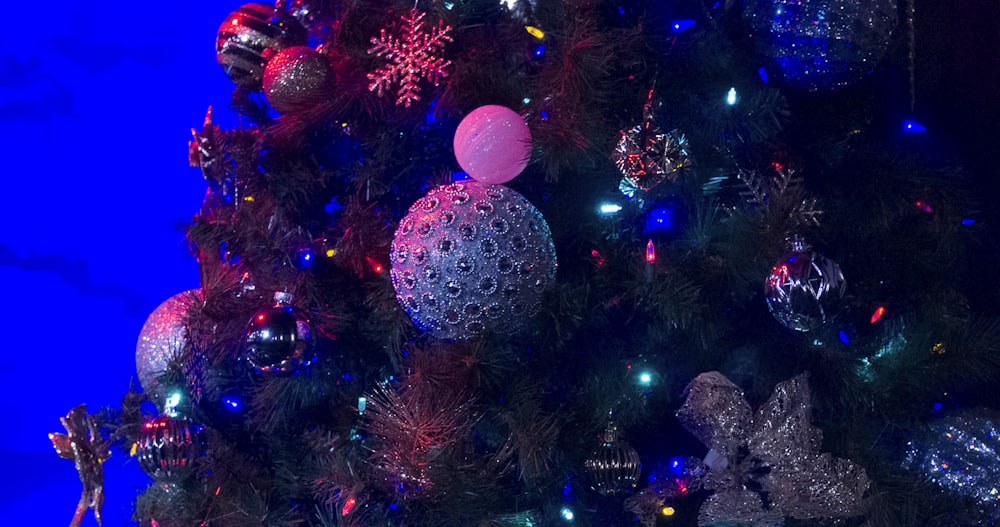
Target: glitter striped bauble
x,y
168,446
250,36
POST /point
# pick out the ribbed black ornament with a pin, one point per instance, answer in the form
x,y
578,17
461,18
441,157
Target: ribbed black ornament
x,y
614,466
168,446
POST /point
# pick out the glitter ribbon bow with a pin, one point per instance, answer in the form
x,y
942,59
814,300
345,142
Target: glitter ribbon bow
x,y
767,466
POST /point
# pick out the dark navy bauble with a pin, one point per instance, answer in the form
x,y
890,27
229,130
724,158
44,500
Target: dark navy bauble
x,y
279,339
822,44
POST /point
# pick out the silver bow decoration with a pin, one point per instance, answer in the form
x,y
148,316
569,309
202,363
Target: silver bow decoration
x,y
773,454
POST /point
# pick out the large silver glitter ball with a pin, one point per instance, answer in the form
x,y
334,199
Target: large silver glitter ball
x,y
163,338
250,36
822,44
804,288
471,258
297,78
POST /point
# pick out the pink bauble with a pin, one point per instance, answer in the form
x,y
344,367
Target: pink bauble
x,y
493,144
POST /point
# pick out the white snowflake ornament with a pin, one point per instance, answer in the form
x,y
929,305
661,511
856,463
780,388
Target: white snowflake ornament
x,y
410,58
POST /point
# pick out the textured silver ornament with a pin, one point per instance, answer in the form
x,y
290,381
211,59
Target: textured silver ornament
x,y
804,288
470,258
250,36
822,44
614,466
297,78
778,456
647,156
163,338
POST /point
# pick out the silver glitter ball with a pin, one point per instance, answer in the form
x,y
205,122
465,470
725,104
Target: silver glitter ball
x,y
822,44
804,288
163,338
471,258
250,36
297,78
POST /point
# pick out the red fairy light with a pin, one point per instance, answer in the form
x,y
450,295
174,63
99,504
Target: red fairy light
x,y
348,506
650,252
374,264
598,256
924,206
879,312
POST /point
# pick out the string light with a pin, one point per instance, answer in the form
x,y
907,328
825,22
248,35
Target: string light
x,y
650,252
731,97
680,26
567,514
609,208
878,314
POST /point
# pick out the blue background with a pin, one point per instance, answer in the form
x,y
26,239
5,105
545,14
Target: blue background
x,y
97,100
96,103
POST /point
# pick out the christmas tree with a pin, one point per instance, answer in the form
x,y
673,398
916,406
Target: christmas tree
x,y
547,263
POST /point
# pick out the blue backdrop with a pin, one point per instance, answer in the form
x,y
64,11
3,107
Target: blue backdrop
x,y
96,105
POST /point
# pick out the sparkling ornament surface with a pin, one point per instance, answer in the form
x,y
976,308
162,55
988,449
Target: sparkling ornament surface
x,y
822,44
168,446
470,258
961,453
614,467
410,58
773,452
250,36
647,156
163,338
279,339
297,78
492,144
804,288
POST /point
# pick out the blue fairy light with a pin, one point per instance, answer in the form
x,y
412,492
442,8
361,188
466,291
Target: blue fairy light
x,y
233,403
659,220
680,26
305,258
912,127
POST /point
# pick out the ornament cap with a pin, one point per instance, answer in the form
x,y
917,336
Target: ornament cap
x,y
797,243
610,435
283,298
